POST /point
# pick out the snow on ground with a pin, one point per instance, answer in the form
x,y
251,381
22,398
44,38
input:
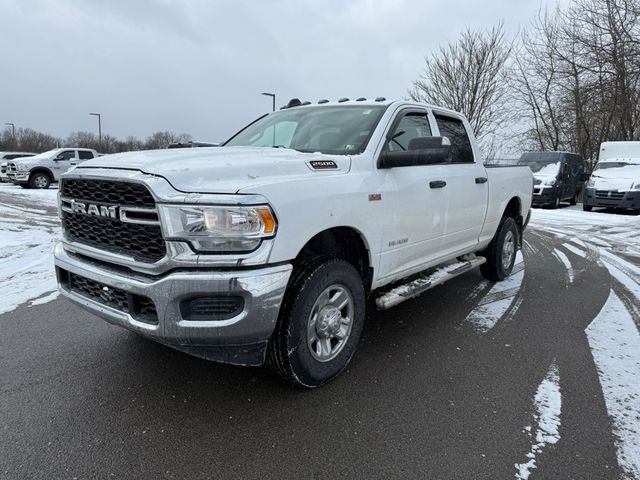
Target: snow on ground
x,y
546,421
615,344
27,237
499,300
611,241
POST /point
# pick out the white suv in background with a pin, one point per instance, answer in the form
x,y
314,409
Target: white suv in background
x,y
4,160
41,170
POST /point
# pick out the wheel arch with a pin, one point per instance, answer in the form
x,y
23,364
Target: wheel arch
x,y
42,170
343,242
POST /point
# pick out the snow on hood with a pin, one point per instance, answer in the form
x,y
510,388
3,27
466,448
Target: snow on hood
x,y
617,178
222,169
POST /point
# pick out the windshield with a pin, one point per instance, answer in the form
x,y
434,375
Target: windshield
x,y
340,130
606,165
541,167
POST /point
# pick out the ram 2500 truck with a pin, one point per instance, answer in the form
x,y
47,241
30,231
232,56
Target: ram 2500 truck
x,y
45,168
265,249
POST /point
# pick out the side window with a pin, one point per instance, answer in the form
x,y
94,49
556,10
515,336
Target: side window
x,y
84,155
452,128
411,125
67,154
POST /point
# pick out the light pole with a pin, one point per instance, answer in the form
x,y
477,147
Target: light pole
x,y
99,129
13,133
273,99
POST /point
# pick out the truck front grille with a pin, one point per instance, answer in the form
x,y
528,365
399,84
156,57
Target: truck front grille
x,y
141,241
139,307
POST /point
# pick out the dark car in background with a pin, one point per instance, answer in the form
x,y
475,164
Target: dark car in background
x,y
557,177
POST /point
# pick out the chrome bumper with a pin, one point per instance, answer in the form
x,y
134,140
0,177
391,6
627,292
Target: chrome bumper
x,y
239,340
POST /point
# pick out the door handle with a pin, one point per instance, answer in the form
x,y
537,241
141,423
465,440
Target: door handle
x,y
481,179
437,184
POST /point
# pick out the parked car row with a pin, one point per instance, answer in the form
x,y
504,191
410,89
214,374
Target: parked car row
x,y
561,176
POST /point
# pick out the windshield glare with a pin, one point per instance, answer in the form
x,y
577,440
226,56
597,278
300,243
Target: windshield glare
x,y
341,130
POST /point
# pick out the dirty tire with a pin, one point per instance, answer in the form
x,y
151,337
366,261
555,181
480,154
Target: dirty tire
x,y
39,180
587,208
494,269
289,354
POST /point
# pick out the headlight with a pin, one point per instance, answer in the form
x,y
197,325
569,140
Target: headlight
x,y
591,182
218,228
636,185
550,182
22,167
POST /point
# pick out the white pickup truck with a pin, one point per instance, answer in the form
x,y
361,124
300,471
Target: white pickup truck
x,y
39,171
265,249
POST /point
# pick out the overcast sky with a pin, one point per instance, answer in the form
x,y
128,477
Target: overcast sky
x,y
199,66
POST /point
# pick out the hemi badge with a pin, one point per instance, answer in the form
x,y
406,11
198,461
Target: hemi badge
x,y
375,197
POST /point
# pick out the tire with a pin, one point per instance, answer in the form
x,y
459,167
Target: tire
x,y
24,185
556,203
574,200
497,266
40,180
306,348
587,208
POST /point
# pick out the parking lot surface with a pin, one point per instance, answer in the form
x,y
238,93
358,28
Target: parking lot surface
x,y
534,377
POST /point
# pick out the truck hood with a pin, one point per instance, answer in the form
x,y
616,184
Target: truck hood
x,y
616,178
224,169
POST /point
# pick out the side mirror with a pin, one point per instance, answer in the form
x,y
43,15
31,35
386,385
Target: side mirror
x,y
584,177
421,151
58,158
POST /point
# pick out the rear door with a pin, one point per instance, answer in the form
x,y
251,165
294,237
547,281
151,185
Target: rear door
x,y
414,211
467,188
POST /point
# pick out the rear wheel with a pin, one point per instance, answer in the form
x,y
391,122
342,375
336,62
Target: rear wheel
x,y
501,252
39,180
320,322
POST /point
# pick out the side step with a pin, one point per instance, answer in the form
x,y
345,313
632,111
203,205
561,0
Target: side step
x,y
427,282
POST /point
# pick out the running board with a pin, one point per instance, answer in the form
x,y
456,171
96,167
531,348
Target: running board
x,y
426,282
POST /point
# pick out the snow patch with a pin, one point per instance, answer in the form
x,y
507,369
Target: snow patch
x,y
546,428
615,344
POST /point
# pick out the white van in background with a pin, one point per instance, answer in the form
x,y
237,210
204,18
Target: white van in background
x,y
615,182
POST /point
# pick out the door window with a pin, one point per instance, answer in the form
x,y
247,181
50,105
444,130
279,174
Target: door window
x,y
67,155
85,155
453,129
411,125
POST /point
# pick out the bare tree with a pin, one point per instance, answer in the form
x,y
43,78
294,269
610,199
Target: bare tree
x,y
163,139
468,76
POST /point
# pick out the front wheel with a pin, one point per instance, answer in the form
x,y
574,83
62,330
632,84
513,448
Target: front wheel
x,y
39,180
501,252
320,322
574,200
587,208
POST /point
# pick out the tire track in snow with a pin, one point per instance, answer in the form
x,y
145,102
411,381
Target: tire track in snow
x,y
546,421
499,300
565,261
615,345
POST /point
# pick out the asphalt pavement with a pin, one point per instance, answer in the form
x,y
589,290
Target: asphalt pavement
x,y
428,395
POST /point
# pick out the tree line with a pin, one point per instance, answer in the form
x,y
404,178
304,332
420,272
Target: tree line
x,y
29,140
569,81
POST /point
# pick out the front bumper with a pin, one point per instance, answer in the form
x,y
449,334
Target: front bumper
x,y
241,339
18,177
611,198
543,196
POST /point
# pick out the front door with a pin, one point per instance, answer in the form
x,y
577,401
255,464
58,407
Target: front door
x,y
414,211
